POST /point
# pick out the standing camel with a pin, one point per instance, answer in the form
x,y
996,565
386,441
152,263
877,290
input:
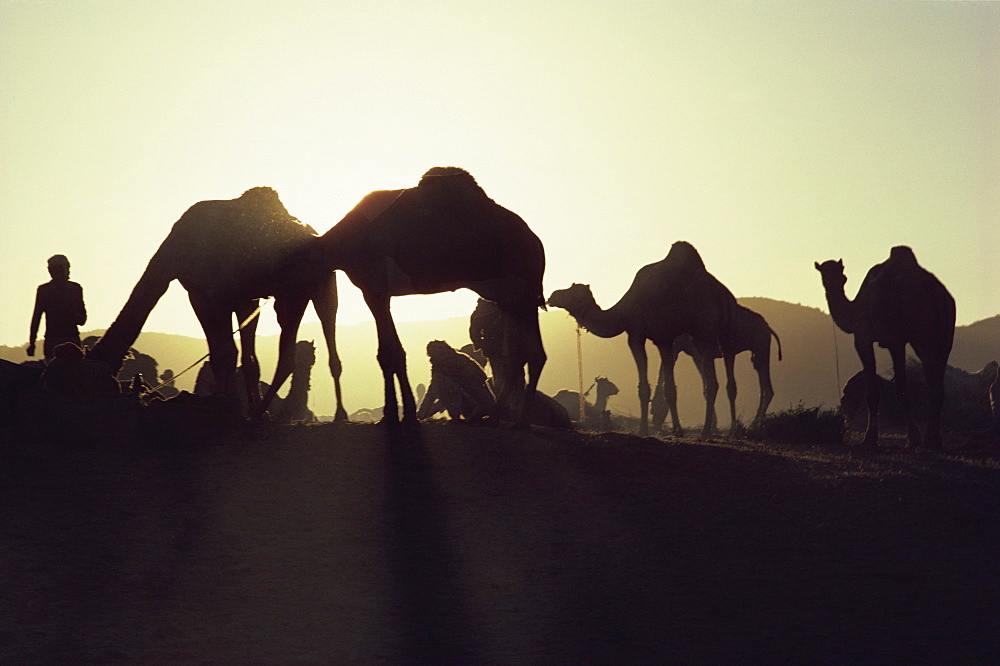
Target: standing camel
x,y
227,255
751,333
667,299
898,303
442,235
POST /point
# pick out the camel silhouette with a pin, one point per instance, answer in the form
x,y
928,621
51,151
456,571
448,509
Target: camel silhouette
x,y
898,303
667,299
750,332
443,234
593,413
227,255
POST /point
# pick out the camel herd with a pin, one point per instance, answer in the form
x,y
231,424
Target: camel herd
x,y
429,238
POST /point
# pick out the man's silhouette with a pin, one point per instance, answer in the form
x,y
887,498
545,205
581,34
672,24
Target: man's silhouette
x,y
61,301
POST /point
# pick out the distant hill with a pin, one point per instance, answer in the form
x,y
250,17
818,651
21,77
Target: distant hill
x,y
817,360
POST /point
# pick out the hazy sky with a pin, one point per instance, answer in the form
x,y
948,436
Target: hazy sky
x,y
769,134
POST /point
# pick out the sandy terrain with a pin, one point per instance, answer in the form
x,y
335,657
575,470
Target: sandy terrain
x,y
454,544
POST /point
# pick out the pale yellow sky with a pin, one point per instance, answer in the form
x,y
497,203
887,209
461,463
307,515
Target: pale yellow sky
x,y
769,134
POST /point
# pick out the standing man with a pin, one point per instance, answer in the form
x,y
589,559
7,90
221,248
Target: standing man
x,y
61,301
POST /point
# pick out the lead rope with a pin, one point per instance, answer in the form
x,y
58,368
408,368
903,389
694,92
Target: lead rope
x,y
579,372
239,328
836,352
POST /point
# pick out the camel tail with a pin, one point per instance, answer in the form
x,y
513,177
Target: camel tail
x,y
776,339
115,343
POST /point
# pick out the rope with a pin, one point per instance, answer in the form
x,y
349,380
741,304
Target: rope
x,y
253,315
579,373
836,352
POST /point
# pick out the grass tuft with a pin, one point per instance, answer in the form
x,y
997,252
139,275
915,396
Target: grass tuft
x,y
798,425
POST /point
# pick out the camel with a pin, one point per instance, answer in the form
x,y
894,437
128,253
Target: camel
x,y
751,333
898,303
967,401
667,299
443,234
595,412
228,255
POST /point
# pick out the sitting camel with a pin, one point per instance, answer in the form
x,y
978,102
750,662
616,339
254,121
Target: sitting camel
x,y
227,255
752,333
666,300
898,303
596,413
443,234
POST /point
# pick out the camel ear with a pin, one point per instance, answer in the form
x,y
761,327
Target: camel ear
x,y
840,262
816,264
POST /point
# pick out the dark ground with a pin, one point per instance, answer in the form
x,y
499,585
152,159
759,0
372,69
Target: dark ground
x,y
340,543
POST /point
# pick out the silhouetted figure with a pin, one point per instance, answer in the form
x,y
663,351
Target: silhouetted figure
x,y
72,376
667,299
995,402
499,345
442,235
167,388
458,386
898,303
496,343
61,301
295,406
227,255
134,363
750,332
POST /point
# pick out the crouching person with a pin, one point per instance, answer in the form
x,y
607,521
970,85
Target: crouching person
x,y
458,386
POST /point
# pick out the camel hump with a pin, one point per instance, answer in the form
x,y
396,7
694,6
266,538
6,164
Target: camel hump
x,y
452,180
903,257
684,255
264,198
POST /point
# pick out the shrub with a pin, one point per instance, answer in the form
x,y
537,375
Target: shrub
x,y
798,425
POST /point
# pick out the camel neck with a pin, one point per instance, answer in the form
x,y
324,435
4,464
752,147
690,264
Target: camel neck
x,y
841,308
602,323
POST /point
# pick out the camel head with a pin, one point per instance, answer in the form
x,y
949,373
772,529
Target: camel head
x,y
832,274
605,386
575,299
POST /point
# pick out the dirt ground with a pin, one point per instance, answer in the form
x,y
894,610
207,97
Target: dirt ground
x,y
454,544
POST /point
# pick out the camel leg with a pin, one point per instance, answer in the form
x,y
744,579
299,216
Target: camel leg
x,y
763,368
728,361
867,355
934,376
248,352
899,379
325,304
535,355
217,324
666,389
710,387
637,346
392,359
289,314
